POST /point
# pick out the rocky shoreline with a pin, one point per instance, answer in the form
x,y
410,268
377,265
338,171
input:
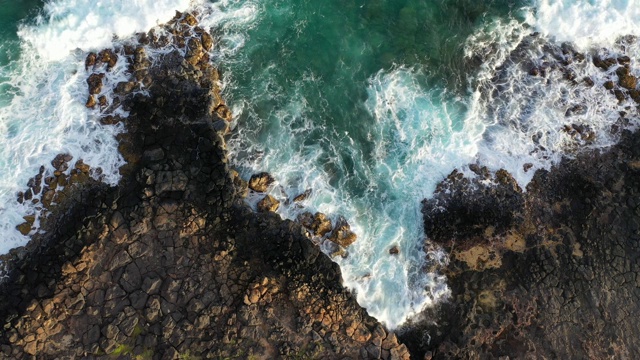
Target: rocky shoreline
x,y
553,272
172,263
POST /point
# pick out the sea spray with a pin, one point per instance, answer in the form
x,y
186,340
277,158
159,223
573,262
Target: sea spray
x,y
42,110
368,109
532,94
419,123
587,23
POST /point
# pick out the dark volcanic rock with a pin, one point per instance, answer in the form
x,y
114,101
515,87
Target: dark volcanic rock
x,y
321,224
626,79
550,273
462,208
171,263
268,204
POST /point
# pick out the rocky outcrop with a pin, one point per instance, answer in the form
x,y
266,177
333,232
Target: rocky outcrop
x,y
547,273
261,182
172,263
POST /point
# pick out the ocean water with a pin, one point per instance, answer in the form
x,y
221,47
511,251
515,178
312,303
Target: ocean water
x,y
367,103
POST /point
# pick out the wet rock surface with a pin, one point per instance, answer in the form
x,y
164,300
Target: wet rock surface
x,y
172,263
552,272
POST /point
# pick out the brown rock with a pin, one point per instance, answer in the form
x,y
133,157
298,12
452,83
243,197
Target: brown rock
x,y
302,196
321,224
625,79
90,60
125,87
91,102
189,19
47,198
588,81
305,219
394,250
80,165
109,120
207,41
194,51
108,57
240,184
624,60
605,63
268,203
224,112
261,182
102,100
24,228
95,83
342,234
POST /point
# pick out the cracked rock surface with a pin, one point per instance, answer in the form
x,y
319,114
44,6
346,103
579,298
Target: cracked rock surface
x,y
550,273
171,263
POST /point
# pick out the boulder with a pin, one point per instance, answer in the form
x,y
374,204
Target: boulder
x,y
60,162
342,234
261,182
305,219
95,83
207,41
321,224
189,19
194,51
302,196
125,87
108,57
268,204
91,102
605,63
102,100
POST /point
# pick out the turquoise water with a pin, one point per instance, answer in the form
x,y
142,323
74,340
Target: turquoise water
x,y
367,103
362,102
11,14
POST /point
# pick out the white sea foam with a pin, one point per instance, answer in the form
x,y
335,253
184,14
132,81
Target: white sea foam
x,y
526,116
420,134
42,110
63,26
588,23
